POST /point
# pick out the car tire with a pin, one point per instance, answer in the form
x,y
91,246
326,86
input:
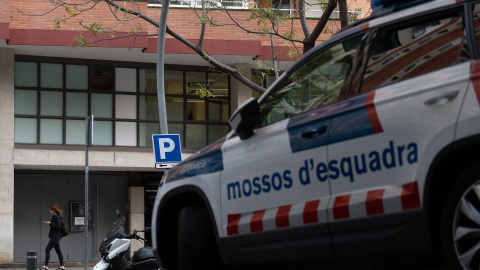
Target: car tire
x,y
460,225
196,243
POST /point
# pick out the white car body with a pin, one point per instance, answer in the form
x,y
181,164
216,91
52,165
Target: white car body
x,y
356,177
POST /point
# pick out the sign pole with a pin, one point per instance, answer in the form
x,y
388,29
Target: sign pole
x,y
88,144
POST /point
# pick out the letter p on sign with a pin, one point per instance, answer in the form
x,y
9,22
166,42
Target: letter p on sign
x,y
166,148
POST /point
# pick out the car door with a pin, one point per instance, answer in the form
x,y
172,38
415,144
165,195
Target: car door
x,y
274,194
383,140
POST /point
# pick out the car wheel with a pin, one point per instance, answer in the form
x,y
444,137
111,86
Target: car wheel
x,y
196,244
461,222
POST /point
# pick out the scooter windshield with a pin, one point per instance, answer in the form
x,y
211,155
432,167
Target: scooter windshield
x,y
115,232
118,224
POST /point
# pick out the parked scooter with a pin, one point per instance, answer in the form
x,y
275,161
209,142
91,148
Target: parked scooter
x,y
116,244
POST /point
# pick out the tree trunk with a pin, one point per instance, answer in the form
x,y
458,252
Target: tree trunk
x,y
310,40
343,8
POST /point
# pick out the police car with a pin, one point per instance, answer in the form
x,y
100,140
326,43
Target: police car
x,y
369,147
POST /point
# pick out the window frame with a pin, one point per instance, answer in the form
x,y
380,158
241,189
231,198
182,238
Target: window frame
x,y
38,60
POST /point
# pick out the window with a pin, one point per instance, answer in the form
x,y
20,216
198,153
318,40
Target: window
x,y
281,4
199,121
400,54
315,83
52,100
198,3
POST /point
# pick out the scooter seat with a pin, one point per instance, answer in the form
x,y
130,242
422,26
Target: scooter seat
x,y
143,254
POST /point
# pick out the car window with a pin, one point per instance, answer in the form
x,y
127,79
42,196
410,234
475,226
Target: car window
x,y
402,53
315,83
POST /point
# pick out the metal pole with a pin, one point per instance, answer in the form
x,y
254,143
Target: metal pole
x,y
87,145
162,28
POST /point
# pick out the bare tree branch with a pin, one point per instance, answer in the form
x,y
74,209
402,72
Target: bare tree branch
x,y
310,39
129,15
257,32
303,18
202,32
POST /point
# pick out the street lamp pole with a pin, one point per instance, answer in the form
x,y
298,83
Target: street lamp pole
x,y
162,28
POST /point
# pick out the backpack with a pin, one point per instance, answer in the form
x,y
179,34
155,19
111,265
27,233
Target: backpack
x,y
64,230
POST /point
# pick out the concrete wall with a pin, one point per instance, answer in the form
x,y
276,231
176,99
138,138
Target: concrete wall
x,y
136,202
6,153
42,159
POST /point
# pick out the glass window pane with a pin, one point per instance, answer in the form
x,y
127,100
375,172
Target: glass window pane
x,y
25,130
173,82
257,77
26,74
148,81
51,131
218,84
126,133
102,132
196,136
75,132
126,106
177,129
393,57
196,81
196,109
101,78
216,132
51,75
77,77
146,132
102,105
25,102
77,104
174,108
148,107
51,103
315,83
126,79
218,110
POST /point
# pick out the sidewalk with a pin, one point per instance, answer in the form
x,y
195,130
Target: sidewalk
x,y
52,266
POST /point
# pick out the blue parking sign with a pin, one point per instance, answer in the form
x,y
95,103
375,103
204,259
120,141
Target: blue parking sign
x,y
166,148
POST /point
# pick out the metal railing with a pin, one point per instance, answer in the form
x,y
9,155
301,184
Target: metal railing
x,y
231,4
317,13
241,4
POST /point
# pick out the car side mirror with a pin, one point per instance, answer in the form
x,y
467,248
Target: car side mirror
x,y
244,119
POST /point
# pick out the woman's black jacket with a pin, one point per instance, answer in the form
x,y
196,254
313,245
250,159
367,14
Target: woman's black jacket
x,y
55,226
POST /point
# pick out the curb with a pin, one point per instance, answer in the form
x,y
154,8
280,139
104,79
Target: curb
x,y
40,264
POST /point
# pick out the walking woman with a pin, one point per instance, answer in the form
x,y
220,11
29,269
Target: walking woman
x,y
54,235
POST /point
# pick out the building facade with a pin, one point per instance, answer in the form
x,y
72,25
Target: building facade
x,y
48,87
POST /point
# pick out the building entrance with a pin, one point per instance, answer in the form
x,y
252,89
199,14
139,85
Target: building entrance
x,y
35,191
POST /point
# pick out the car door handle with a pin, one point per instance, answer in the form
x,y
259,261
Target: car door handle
x,y
314,132
442,98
